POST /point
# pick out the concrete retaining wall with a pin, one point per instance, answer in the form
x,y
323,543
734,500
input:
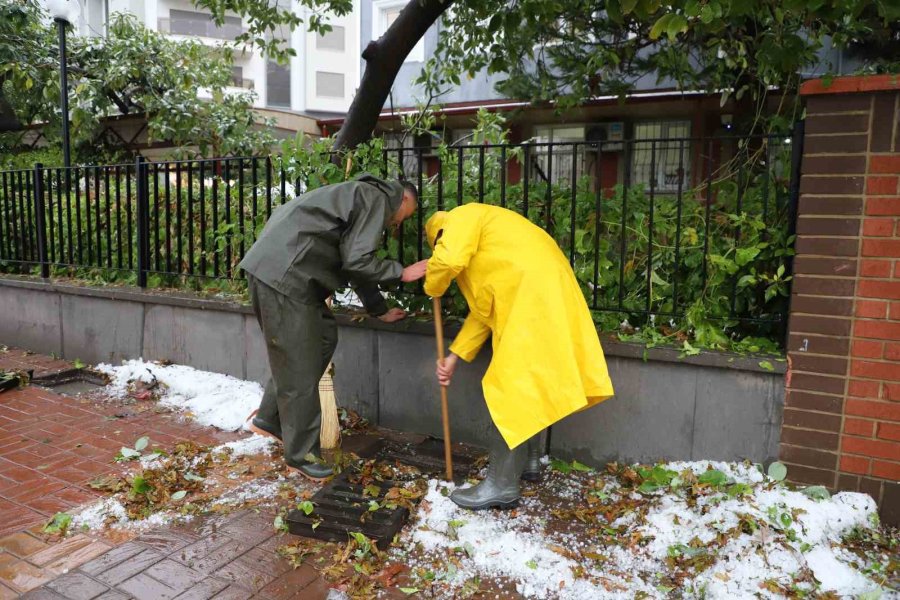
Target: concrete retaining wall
x,y
712,405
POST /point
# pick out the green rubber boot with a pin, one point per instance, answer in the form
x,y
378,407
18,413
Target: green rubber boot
x,y
500,488
532,471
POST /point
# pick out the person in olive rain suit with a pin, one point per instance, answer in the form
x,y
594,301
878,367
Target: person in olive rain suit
x,y
310,247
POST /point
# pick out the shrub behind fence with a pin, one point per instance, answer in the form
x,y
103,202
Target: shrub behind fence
x,y
696,229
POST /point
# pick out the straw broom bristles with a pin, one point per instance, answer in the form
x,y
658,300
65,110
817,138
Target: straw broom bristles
x,y
330,432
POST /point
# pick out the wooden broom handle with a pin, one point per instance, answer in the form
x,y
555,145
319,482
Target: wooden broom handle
x,y
439,334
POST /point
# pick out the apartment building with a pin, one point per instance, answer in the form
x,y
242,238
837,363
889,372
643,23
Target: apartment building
x,y
320,80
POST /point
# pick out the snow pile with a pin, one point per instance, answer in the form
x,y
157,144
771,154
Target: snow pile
x,y
211,398
255,444
254,490
110,511
788,533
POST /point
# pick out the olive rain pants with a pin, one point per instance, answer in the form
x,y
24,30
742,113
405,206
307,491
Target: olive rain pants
x,y
300,341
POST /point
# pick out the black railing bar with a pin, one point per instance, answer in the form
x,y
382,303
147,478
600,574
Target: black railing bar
x,y
680,203
650,227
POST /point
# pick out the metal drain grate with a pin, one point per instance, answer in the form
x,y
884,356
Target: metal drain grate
x,y
341,507
428,457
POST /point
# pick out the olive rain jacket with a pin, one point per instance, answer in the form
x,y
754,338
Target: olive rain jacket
x,y
323,239
522,293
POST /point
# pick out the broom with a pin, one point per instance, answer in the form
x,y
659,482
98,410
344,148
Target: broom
x,y
330,432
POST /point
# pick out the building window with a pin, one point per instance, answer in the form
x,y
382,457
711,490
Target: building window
x,y
331,40
663,164
329,84
559,169
237,76
384,13
187,22
278,84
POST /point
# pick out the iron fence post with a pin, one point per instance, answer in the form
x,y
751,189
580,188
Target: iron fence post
x,y
796,162
143,221
797,136
41,233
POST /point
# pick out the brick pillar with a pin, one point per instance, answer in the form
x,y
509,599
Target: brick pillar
x,y
842,408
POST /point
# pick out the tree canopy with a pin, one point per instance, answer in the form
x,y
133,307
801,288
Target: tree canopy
x,y
131,71
568,51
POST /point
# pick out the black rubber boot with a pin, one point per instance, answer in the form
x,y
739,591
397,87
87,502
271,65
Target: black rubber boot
x,y
532,471
500,488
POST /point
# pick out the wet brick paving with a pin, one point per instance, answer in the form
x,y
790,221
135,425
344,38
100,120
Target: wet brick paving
x,y
230,557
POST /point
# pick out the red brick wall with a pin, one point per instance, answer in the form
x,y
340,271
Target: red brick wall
x,y
842,408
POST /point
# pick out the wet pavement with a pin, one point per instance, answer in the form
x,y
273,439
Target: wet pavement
x,y
52,445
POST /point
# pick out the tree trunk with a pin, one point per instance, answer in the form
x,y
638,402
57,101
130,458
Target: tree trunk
x,y
384,57
8,119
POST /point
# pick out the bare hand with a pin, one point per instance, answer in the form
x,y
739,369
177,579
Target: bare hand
x,y
415,271
445,369
393,315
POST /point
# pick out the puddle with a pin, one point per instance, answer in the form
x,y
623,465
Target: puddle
x,y
72,383
74,388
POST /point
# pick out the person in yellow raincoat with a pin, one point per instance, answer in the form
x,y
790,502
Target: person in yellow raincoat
x,y
547,360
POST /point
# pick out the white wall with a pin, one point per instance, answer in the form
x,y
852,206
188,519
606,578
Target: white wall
x,y
328,64
313,65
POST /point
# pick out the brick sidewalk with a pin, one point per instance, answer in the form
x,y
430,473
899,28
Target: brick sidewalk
x,y
226,558
51,446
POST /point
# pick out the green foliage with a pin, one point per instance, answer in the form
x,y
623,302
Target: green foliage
x,y
59,524
132,70
568,52
777,471
722,250
655,479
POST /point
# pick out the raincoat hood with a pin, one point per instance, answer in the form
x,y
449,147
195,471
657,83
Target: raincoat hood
x,y
393,189
434,226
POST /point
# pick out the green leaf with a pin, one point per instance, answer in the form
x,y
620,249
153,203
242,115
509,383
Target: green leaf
x,y
688,349
139,485
560,465
409,591
279,524
648,487
677,24
744,255
738,489
190,476
766,365
128,454
307,507
660,26
58,524
777,471
78,363
179,495
817,492
577,466
373,506
141,444
627,6
532,564
714,478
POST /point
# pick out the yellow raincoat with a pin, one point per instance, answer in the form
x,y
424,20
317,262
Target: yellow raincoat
x,y
520,288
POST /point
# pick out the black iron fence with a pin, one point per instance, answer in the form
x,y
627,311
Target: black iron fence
x,y
654,229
